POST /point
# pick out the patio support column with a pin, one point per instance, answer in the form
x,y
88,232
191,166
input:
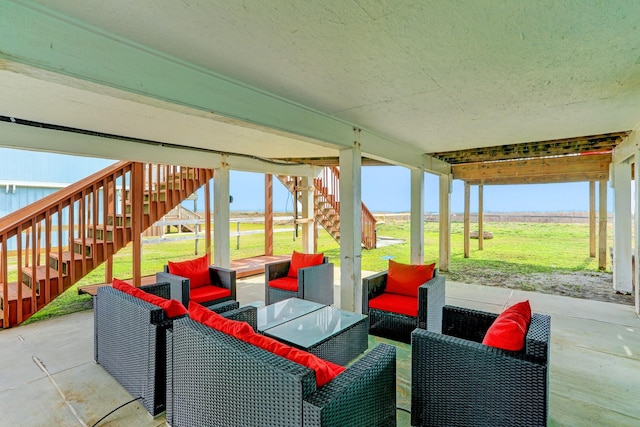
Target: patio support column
x,y
480,217
417,216
622,227
602,225
137,182
268,214
592,219
636,225
207,217
350,228
445,221
221,253
467,197
308,220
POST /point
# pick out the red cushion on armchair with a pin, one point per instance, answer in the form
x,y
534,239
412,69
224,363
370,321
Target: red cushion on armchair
x,y
196,270
285,283
300,260
208,293
405,279
395,303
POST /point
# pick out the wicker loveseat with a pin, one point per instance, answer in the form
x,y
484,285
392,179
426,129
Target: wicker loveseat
x,y
398,326
313,283
218,379
457,381
130,340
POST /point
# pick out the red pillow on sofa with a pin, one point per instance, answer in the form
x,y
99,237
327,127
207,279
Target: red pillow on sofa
x,y
405,279
300,260
324,370
171,307
196,270
509,329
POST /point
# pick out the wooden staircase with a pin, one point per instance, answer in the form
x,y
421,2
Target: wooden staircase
x,y
50,245
327,205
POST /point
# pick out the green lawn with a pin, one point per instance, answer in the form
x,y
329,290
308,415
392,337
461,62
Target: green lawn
x,y
515,247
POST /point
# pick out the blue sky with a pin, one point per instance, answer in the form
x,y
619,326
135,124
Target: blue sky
x,y
384,188
387,189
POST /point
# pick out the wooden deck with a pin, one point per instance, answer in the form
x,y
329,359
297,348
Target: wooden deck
x,y
244,268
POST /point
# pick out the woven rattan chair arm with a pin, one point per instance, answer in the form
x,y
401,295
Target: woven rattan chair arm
x,y
364,394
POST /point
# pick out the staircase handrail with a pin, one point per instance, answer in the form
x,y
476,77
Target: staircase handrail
x,y
14,220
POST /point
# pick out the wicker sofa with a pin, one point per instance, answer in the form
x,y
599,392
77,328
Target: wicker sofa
x,y
314,283
397,326
130,340
457,381
220,380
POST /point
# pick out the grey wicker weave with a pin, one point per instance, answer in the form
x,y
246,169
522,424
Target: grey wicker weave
x,y
397,326
218,380
221,277
314,283
457,381
130,341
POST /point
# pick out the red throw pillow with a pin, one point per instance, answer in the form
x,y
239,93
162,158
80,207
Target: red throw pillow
x,y
300,260
196,270
510,328
405,279
171,307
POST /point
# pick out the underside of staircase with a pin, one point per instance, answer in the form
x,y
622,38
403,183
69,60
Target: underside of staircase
x,y
50,245
327,205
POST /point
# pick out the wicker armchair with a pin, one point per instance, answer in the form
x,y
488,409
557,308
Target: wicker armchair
x,y
457,381
314,283
181,291
220,380
397,326
130,340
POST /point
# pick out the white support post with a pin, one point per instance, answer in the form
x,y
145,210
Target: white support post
x,y
622,269
417,216
445,221
221,253
350,228
308,223
636,270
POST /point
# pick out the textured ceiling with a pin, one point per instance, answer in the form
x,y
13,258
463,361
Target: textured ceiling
x,y
439,76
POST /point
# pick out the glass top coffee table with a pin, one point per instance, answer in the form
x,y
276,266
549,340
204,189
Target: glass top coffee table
x,y
330,333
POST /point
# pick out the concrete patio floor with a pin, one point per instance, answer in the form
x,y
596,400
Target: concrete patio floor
x,y
48,376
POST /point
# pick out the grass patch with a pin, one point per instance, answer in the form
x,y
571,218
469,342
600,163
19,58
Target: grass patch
x,y
516,248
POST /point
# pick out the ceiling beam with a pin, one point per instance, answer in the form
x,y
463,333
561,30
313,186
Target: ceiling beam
x,y
41,39
13,135
536,171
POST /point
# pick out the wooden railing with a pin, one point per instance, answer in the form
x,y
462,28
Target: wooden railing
x,y
328,190
51,244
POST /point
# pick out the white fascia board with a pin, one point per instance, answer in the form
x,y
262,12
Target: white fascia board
x,y
13,135
626,148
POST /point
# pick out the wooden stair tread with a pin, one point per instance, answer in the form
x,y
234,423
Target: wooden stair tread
x,y
41,272
12,289
66,256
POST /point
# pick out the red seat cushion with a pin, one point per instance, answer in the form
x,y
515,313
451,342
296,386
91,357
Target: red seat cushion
x,y
395,303
208,293
405,279
300,260
285,283
171,307
510,328
324,370
196,270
